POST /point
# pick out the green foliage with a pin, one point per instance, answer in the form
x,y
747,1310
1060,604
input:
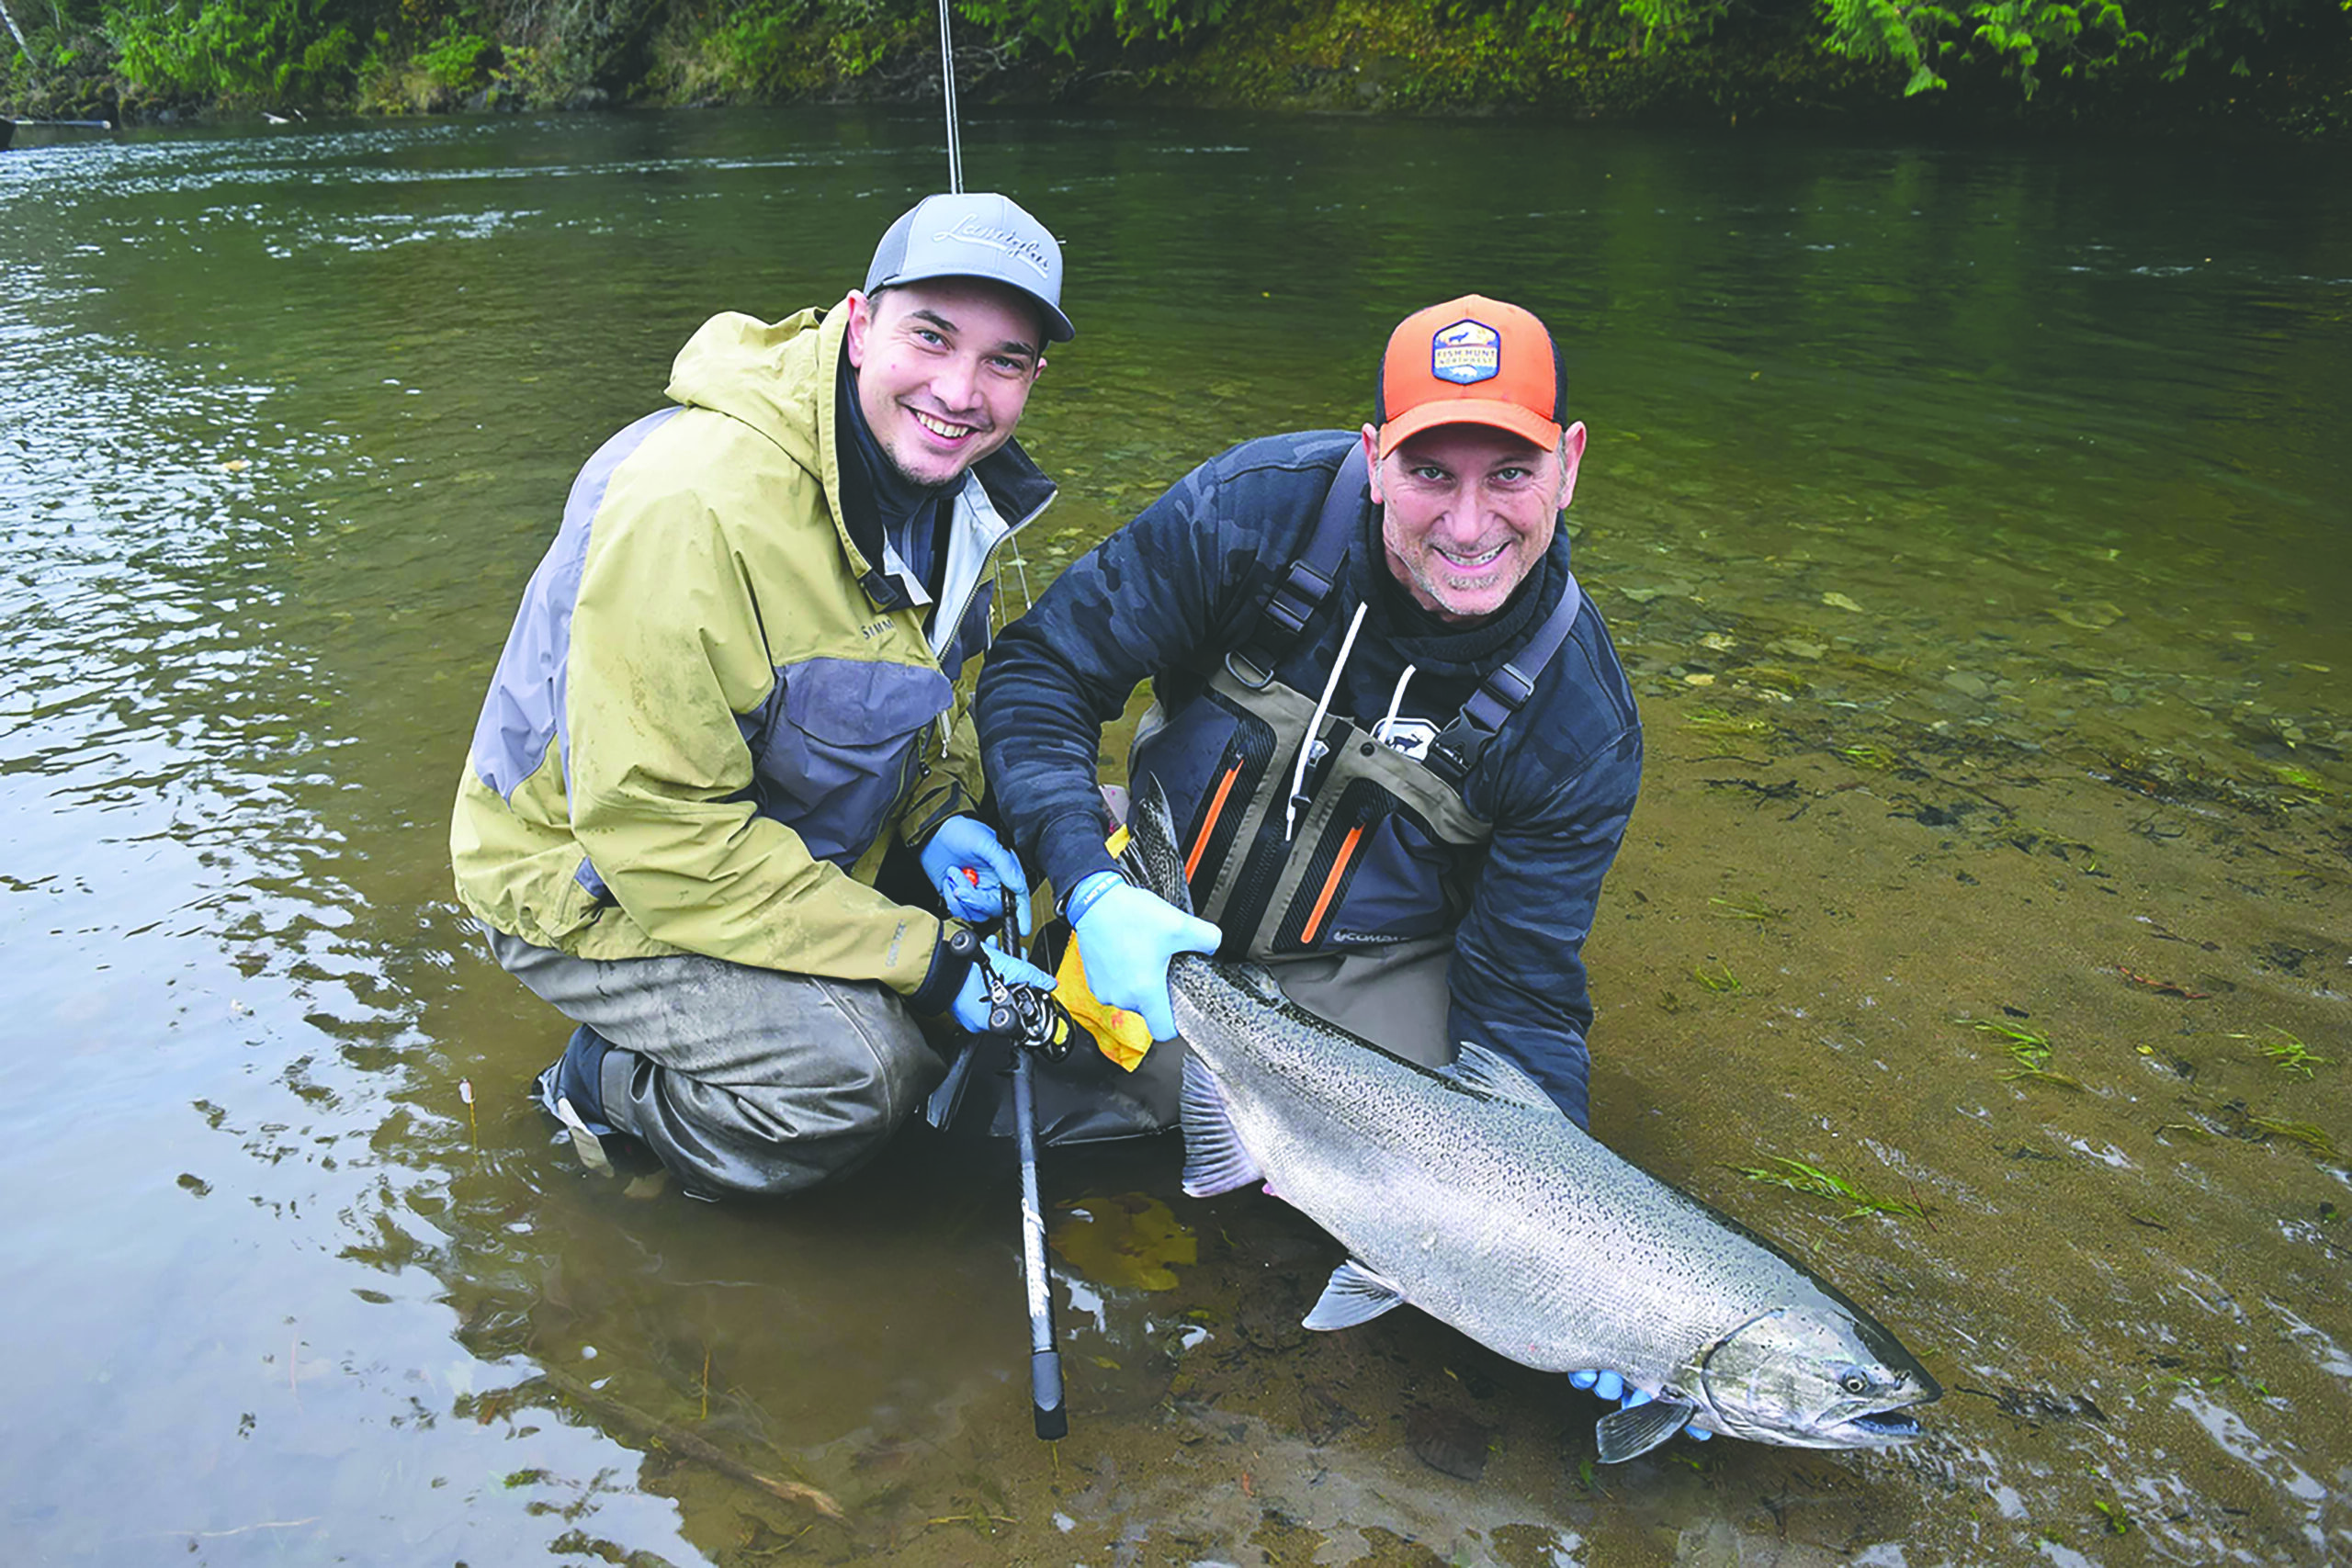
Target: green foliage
x,y
1919,37
59,40
1885,30
1063,24
236,50
758,45
1394,55
2191,33
453,58
1673,22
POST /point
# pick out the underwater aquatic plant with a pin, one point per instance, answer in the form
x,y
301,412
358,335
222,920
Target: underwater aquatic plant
x,y
2289,1053
1723,983
1745,907
1798,1176
1721,722
2030,1049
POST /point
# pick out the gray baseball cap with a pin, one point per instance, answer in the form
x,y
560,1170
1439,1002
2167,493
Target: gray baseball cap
x,y
976,235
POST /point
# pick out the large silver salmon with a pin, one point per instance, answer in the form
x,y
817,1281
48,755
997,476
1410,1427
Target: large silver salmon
x,y
1468,1193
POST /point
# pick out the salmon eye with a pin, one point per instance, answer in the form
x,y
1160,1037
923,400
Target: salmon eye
x,y
1854,1383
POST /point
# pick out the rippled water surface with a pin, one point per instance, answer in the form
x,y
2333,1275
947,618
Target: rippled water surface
x,y
1973,519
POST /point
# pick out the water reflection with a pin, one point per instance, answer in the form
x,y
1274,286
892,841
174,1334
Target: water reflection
x,y
1969,521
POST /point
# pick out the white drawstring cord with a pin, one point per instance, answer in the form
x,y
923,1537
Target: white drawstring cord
x,y
1315,725
1395,700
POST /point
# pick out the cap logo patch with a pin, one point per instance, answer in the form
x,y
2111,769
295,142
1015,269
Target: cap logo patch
x,y
1015,245
1465,352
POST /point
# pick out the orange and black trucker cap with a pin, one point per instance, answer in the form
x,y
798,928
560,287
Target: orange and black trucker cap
x,y
1471,361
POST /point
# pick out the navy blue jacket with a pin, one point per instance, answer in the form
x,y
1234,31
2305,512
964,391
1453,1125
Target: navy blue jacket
x,y
1176,589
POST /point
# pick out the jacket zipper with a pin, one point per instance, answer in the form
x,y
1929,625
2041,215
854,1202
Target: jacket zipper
x,y
988,571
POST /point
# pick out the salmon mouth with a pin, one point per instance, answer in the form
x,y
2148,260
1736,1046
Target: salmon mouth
x,y
1885,1427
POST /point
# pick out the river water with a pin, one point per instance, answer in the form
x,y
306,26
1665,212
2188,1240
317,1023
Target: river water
x,y
1972,520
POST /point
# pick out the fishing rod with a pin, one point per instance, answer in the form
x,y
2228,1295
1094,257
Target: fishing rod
x,y
1036,1024
953,114
1031,1019
947,98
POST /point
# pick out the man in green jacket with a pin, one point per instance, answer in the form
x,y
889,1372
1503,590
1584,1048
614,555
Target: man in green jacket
x,y
730,688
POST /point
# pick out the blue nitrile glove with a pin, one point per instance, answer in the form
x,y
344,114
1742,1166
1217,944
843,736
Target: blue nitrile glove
x,y
971,869
1126,937
1608,1385
971,1004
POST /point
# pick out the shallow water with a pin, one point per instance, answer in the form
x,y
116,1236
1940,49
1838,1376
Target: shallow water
x,y
1971,518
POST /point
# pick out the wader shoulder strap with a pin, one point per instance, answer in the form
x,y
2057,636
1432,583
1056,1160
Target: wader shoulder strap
x,y
1308,582
1503,692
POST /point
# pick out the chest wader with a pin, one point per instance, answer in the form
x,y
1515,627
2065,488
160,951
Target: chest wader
x,y
1350,890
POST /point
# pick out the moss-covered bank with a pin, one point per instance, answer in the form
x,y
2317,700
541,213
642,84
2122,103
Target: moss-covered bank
x,y
2263,67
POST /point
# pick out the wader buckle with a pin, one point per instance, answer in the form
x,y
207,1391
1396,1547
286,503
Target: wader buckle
x,y
1458,747
1255,681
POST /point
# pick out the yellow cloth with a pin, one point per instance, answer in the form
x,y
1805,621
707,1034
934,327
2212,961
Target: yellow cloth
x,y
1121,1035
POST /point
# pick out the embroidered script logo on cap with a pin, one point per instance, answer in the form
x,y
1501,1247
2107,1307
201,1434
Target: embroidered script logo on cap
x,y
1465,352
972,231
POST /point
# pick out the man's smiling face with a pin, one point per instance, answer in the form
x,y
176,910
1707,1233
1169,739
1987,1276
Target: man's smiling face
x,y
944,370
1466,511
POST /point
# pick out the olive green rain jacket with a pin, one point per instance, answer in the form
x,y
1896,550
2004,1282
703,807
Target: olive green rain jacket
x,y
716,706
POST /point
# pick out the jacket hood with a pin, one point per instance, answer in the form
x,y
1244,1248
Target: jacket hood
x,y
779,377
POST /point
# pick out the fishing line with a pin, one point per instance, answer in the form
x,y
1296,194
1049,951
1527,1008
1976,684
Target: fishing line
x,y
955,188
947,96
1019,564
1046,1410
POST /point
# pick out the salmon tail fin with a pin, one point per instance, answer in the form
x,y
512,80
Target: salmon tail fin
x,y
1152,861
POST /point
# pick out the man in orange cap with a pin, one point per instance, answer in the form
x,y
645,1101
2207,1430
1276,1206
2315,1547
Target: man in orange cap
x,y
1415,853
1393,732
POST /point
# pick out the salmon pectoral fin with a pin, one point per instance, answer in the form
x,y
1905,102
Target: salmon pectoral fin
x,y
1214,1160
1629,1434
1355,1295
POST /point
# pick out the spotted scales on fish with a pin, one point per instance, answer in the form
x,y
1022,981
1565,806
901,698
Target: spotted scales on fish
x,y
1467,1192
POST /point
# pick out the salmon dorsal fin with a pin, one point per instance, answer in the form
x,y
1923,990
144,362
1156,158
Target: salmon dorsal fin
x,y
1629,1434
1214,1160
1355,1295
1260,982
1490,1075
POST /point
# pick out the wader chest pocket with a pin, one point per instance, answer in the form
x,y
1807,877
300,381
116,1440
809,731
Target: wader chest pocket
x,y
840,759
1376,874
1211,760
